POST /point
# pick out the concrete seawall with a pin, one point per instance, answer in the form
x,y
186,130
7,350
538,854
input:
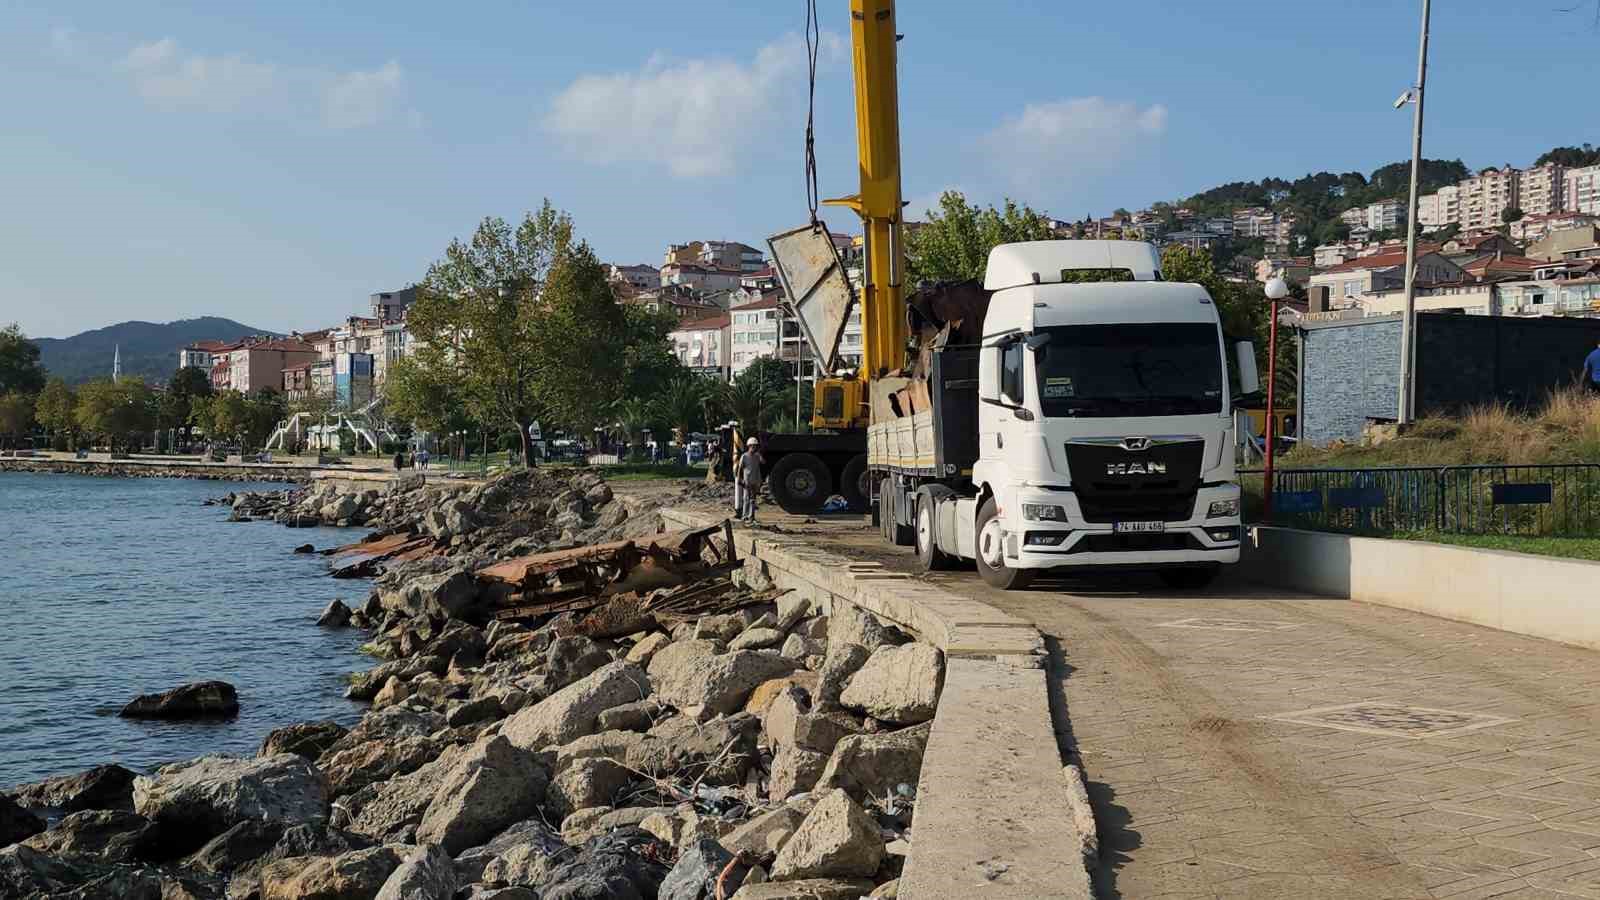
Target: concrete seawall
x,y
1539,596
997,815
161,469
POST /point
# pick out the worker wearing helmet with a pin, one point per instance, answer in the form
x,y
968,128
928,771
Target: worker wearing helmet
x,y
747,481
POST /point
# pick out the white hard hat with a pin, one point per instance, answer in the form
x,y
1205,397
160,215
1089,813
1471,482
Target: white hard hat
x,y
751,443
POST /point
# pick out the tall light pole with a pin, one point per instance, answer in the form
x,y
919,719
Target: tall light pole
x,y
1277,289
1408,323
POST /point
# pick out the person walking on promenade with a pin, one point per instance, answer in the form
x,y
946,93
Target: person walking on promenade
x,y
422,458
747,481
1591,371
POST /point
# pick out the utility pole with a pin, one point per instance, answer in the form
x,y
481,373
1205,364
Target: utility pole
x,y
1408,323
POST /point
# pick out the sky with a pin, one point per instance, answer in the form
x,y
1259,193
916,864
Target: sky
x,y
277,163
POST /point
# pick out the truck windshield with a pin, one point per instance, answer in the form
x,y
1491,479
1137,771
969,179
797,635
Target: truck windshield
x,y
1170,369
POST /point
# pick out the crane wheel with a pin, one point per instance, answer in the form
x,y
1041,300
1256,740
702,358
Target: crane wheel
x,y
800,483
854,484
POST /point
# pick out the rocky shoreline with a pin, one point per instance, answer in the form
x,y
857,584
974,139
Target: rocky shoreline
x,y
113,469
569,705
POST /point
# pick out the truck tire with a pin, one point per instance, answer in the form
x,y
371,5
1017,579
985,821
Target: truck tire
x,y
929,556
990,549
1189,579
889,513
800,483
854,485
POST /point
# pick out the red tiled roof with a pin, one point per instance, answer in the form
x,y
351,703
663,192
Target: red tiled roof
x,y
1485,263
1384,260
709,323
286,345
769,300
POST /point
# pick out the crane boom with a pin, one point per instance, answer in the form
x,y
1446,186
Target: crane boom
x,y
874,53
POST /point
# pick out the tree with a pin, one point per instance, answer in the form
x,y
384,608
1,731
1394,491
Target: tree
x,y
55,408
682,405
228,416
750,401
432,398
524,324
263,410
1571,157
16,417
187,384
1511,214
123,409
19,362
954,245
1120,213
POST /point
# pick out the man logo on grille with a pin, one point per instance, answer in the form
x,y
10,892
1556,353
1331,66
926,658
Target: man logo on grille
x,y
1138,468
1136,443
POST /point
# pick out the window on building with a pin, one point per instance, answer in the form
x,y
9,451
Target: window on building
x,y
1352,288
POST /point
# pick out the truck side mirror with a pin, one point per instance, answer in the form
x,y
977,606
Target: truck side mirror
x,y
1244,353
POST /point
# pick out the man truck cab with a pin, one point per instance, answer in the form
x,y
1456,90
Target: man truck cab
x,y
1104,425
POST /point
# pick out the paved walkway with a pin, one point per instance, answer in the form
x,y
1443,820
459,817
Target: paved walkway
x,y
1242,742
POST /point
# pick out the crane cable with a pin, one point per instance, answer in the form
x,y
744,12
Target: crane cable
x,y
813,44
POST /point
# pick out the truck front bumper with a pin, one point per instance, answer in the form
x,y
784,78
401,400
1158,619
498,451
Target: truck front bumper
x,y
1199,540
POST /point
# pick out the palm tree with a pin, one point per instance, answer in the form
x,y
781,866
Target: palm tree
x,y
635,415
682,405
749,403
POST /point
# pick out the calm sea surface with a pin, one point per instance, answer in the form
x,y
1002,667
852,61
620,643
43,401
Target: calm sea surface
x,y
113,587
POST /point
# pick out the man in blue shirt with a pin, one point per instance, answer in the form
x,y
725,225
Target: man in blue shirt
x,y
1591,370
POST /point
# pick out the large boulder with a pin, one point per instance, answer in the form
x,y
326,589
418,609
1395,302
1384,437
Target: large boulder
x,y
837,840
756,639
850,624
566,660
308,739
521,855
102,787
765,834
590,781
719,752
444,595
26,872
620,865
365,685
872,765
647,647
668,659
841,662
585,824
698,874
202,699
790,722
570,712
195,801
352,769
382,811
794,770
898,684
493,784
235,848
719,683
335,614
111,834
350,876
426,874
16,823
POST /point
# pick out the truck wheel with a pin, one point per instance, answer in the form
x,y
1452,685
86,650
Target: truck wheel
x,y
1192,579
931,558
888,515
854,483
800,483
992,566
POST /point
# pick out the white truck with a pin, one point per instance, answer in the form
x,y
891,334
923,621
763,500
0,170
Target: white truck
x,y
1090,424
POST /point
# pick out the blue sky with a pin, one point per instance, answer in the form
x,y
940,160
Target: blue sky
x,y
278,162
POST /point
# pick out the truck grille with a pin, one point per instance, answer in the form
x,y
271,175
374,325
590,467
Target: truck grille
x,y
1134,543
1114,484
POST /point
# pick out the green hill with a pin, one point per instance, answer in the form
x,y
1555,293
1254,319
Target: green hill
x,y
149,350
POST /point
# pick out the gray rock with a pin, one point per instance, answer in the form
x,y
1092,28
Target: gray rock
x,y
571,658
898,684
765,834
798,648
647,647
380,759
365,685
426,874
815,628
489,787
851,624
202,798
102,787
521,855
445,595
360,873
585,824
235,848
614,745
720,751
26,872
483,709
17,823
791,609
202,699
638,716
720,627
678,654
112,835
806,889
836,840
842,661
571,712
871,765
789,722
720,683
609,867
757,638
334,615
698,870
587,782
384,810
794,770
307,739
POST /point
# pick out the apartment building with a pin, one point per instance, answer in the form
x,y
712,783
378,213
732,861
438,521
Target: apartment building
x,y
716,255
754,332
1533,228
1441,208
1326,255
641,277
1581,190
1349,281
391,306
1386,215
703,344
700,277
199,354
1485,195
252,367
1540,190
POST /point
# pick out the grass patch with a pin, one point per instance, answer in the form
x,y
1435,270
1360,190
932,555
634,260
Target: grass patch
x,y
1567,547
648,472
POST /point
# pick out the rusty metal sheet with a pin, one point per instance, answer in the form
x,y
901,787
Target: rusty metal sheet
x,y
372,547
817,286
518,571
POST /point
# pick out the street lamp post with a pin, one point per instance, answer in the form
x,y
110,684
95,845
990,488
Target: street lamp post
x,y
1277,289
1408,322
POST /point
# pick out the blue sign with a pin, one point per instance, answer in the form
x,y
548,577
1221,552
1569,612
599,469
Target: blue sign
x,y
1297,502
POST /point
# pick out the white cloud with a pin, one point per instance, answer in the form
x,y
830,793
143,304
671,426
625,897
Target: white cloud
x,y
696,117
1051,143
360,99
169,77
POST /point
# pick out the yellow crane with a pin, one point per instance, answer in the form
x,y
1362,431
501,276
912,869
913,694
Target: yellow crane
x,y
805,469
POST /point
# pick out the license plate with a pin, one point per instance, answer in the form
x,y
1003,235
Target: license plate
x,y
1127,527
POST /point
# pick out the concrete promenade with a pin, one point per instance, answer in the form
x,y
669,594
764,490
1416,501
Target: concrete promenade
x,y
1250,742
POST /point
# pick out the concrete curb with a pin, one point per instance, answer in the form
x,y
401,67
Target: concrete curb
x,y
994,811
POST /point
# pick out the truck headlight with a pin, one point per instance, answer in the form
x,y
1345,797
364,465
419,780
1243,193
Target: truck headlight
x,y
1221,509
1041,512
